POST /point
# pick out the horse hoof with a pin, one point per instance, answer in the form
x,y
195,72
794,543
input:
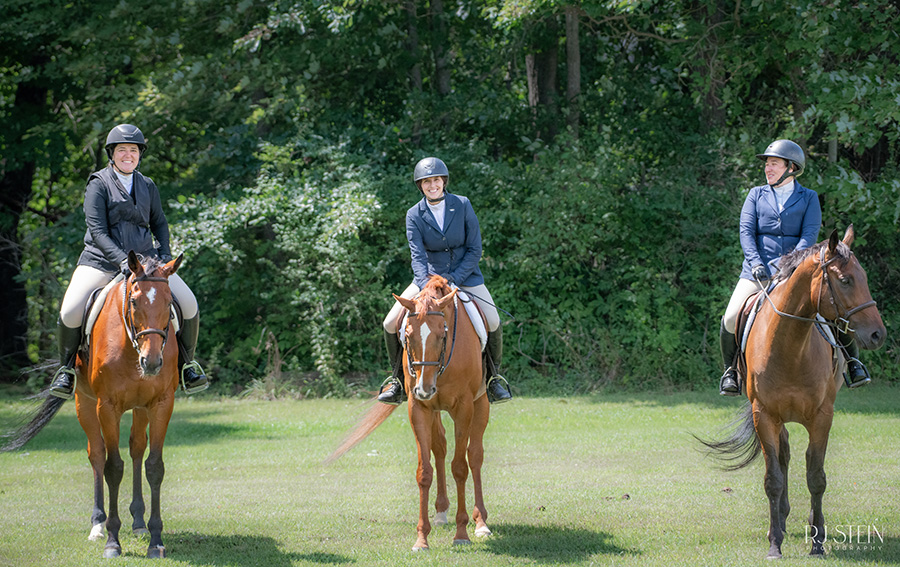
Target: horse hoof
x,y
141,532
417,548
483,531
96,532
112,551
440,518
156,552
462,542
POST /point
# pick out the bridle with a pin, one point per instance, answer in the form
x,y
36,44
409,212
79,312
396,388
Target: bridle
x,y
128,315
440,361
842,322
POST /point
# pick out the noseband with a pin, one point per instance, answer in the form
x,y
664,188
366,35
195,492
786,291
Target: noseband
x,y
128,314
440,361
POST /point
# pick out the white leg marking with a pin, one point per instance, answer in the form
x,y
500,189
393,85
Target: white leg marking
x,y
440,518
483,531
96,532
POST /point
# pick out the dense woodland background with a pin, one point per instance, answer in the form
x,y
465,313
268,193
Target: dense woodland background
x,y
607,147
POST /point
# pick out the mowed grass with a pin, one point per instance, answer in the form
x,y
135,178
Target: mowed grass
x,y
606,480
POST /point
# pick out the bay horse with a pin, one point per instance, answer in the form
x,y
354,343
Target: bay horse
x,y
793,371
130,364
443,371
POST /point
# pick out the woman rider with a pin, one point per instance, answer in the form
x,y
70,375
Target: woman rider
x,y
776,218
123,212
445,239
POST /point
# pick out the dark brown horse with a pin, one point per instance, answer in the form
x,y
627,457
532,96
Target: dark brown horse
x,y
793,372
443,369
131,364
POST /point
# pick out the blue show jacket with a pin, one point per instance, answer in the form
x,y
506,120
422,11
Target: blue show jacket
x,y
453,252
767,235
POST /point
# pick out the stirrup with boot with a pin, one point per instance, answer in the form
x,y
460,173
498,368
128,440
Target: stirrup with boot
x,y
63,384
193,379
391,391
856,374
729,384
497,387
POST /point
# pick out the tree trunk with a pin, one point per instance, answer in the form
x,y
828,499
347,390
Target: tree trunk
x,y
15,192
540,70
573,70
439,47
415,71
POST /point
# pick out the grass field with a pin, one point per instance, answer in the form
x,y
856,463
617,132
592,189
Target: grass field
x,y
607,480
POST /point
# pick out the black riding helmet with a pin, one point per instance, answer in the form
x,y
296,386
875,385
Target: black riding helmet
x,y
431,167
786,150
125,134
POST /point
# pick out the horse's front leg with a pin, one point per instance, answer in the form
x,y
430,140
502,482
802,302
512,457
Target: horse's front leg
x,y
421,420
815,480
439,450
138,445
769,434
86,410
159,417
784,461
462,423
113,472
476,459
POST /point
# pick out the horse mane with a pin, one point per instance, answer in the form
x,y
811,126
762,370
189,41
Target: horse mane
x,y
792,260
436,288
150,264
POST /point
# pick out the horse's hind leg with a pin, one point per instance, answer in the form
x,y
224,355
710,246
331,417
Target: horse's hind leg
x,y
476,459
138,445
439,449
784,460
815,479
86,410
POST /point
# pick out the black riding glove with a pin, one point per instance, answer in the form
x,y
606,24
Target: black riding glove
x,y
759,272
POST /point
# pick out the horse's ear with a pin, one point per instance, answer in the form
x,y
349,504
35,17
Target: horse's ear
x,y
173,265
134,264
849,235
408,303
833,241
442,302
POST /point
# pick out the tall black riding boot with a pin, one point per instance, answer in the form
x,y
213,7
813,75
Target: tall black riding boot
x,y
728,384
856,374
497,386
69,339
392,389
193,379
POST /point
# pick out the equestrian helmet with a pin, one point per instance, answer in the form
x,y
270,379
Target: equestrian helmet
x,y
125,134
787,150
430,167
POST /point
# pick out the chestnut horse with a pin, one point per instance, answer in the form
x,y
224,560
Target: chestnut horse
x,y
794,371
131,364
443,371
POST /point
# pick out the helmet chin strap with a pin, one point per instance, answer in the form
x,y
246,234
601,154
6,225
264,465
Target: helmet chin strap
x,y
787,173
436,201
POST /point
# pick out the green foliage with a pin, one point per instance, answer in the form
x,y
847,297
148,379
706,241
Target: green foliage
x,y
283,145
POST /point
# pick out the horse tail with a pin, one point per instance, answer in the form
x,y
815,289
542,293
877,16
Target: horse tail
x,y
32,423
741,446
376,415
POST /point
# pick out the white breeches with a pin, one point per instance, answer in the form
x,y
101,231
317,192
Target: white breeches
x,y
743,290
479,292
86,279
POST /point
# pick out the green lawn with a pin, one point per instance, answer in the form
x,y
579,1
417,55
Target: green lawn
x,y
611,480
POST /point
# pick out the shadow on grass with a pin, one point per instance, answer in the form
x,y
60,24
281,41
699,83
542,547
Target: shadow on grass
x,y
196,549
551,544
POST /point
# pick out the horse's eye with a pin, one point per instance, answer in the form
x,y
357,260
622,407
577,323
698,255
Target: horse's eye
x,y
846,281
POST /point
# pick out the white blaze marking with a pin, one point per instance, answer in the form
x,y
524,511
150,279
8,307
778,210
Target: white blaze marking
x,y
151,295
425,332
